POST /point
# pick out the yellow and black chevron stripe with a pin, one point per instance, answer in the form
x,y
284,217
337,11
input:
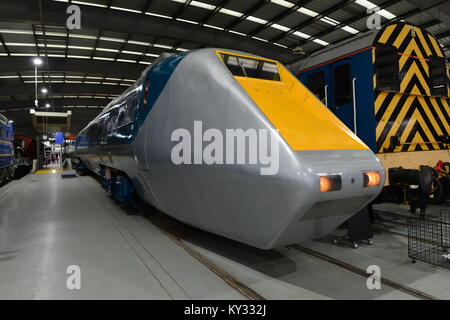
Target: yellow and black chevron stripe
x,y
412,114
418,121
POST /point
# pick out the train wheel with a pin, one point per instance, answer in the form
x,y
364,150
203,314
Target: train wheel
x,y
444,179
437,192
2,176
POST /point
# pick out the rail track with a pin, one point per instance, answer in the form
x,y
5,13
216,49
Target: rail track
x,y
253,295
178,235
239,286
390,283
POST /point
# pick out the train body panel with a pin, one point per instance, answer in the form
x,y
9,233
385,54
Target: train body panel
x,y
7,161
202,97
25,150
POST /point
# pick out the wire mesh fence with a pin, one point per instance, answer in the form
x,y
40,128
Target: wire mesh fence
x,y
429,238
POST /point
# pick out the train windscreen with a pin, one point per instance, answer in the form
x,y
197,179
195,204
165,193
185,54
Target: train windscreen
x,y
251,68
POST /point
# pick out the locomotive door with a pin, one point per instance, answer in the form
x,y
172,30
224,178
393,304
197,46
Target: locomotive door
x,y
341,88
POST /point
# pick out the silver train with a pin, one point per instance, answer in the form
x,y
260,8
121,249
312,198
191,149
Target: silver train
x,y
233,144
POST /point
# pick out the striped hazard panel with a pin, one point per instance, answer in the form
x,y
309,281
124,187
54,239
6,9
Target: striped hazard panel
x,y
418,121
412,114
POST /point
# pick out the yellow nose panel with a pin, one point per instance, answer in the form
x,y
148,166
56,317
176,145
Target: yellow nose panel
x,y
302,120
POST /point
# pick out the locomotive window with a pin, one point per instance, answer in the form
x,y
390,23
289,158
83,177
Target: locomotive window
x,y
342,78
251,68
1,132
92,135
104,130
316,83
113,117
131,107
121,117
438,77
387,68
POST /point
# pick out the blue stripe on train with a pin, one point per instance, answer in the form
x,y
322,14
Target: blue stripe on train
x,y
158,77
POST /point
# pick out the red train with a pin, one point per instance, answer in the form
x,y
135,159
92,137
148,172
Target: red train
x,y
25,150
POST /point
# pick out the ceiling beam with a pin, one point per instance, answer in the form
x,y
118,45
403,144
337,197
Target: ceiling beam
x,y
58,102
352,20
133,23
212,13
308,22
404,16
66,89
247,13
280,16
109,68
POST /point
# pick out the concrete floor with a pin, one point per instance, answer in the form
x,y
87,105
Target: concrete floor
x,y
48,223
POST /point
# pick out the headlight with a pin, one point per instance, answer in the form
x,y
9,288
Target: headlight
x,y
330,183
371,179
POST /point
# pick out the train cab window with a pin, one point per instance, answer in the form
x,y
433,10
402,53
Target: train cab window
x,y
1,132
251,68
316,83
387,68
342,79
438,77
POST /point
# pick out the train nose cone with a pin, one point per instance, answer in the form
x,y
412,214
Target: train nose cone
x,y
322,213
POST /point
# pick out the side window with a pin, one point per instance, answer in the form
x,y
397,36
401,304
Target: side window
x,y
438,77
342,79
92,135
131,107
122,112
104,130
387,68
316,83
1,132
99,134
112,121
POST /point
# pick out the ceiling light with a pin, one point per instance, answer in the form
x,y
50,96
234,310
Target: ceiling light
x,y
37,61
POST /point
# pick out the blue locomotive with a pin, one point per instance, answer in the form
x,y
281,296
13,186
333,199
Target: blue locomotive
x,y
7,163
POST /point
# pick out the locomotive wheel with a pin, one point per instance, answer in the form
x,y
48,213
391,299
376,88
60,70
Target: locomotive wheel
x,y
445,183
437,192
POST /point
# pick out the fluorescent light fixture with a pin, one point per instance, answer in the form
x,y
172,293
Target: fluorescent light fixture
x,y
283,3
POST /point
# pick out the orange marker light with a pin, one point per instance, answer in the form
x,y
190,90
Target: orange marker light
x,y
325,184
371,179
330,183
